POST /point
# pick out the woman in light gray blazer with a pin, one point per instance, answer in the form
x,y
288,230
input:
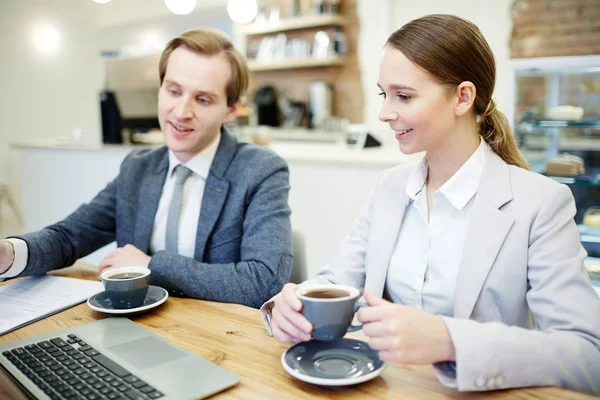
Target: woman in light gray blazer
x,y
468,261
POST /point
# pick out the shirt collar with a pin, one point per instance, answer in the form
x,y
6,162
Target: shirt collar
x,y
417,179
461,187
200,163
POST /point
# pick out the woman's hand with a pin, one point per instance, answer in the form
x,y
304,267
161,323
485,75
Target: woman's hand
x,y
287,323
403,334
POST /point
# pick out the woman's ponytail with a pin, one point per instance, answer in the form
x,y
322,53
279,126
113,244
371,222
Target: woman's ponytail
x,y
494,128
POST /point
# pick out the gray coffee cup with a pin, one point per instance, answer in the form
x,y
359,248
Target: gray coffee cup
x,y
330,309
126,287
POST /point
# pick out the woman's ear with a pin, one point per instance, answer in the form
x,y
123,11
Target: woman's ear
x,y
465,96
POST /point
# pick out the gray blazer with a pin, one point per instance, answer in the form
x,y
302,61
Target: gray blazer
x,y
243,248
525,313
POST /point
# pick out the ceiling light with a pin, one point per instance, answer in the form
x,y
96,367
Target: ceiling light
x,y
242,11
46,39
181,7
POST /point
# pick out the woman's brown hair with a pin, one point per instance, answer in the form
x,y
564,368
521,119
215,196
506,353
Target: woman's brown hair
x,y
453,50
211,42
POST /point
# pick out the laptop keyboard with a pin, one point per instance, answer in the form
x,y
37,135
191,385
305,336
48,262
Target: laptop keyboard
x,y
68,368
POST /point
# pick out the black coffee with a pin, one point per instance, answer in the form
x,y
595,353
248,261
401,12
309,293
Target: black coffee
x,y
326,293
125,275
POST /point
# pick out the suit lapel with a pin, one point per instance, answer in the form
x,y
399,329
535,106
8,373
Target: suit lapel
x,y
147,204
488,228
388,213
215,191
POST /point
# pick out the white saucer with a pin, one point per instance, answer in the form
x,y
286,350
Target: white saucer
x,y
155,297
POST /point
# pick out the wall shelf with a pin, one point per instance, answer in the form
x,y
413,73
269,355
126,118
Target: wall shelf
x,y
290,24
592,123
290,70
572,143
308,62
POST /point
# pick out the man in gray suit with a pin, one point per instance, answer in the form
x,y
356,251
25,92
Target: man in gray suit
x,y
208,215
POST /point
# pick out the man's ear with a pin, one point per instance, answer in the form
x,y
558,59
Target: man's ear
x,y
465,97
233,111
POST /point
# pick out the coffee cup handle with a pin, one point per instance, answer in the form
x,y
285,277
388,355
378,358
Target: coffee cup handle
x,y
357,306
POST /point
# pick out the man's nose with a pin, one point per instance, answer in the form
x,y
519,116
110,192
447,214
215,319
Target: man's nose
x,y
183,109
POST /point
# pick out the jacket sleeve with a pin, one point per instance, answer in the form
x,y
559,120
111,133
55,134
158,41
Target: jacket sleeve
x,y
564,350
265,256
87,229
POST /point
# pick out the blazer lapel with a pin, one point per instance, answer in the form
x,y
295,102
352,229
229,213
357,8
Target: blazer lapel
x,y
388,213
487,231
215,191
147,204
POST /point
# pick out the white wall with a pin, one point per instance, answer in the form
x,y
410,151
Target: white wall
x,y
45,95
379,18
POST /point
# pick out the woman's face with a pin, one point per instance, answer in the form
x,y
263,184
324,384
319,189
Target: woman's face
x,y
417,108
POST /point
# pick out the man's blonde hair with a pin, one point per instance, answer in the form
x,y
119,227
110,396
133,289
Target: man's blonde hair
x,y
211,42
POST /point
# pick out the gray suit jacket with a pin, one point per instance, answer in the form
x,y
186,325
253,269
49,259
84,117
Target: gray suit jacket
x,y
243,248
525,313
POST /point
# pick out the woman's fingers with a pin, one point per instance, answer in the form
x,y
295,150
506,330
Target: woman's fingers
x,y
281,334
289,323
288,294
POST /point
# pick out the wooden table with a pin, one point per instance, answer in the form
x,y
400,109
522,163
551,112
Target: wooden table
x,y
233,337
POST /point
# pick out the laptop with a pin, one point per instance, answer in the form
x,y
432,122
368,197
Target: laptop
x,y
113,358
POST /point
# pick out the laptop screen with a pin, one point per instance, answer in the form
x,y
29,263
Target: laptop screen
x,y
9,389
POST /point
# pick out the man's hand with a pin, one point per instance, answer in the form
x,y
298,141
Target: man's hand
x,y
7,255
405,334
128,256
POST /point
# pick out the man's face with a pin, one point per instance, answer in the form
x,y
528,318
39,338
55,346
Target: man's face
x,y
192,103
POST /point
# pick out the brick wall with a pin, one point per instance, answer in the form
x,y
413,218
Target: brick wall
x,y
552,28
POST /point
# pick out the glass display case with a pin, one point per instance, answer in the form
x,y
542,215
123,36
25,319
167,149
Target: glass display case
x,y
554,109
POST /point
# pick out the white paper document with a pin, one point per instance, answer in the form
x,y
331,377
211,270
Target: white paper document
x,y
37,297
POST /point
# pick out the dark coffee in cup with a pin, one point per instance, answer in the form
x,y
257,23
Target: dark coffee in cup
x,y
125,275
326,293
330,309
126,287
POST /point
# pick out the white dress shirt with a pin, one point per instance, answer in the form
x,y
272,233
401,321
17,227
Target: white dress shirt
x,y
427,254
193,191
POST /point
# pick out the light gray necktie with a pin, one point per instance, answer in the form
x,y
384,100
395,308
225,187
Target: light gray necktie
x,y
181,174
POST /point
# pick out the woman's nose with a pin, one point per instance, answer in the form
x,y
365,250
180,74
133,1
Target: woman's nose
x,y
387,115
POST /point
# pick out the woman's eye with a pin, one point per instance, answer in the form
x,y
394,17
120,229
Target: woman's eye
x,y
403,97
203,100
382,94
175,92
